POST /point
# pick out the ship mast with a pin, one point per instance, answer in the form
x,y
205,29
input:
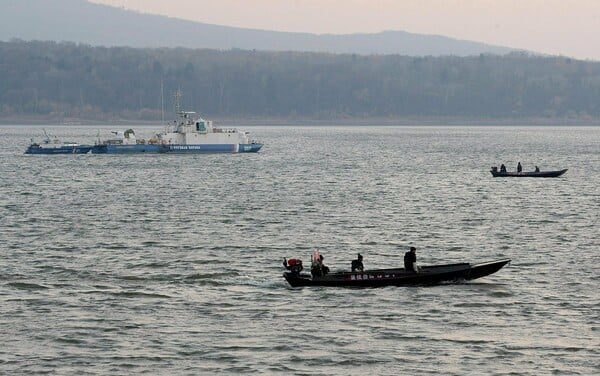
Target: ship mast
x,y
177,99
162,102
178,114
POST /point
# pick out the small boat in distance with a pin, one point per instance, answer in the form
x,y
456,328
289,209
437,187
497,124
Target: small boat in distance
x,y
427,275
531,174
189,133
55,146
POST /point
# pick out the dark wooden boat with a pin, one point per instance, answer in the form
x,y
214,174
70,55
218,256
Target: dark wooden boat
x,y
530,174
428,275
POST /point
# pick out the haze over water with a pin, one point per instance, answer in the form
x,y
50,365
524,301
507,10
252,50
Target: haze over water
x,y
171,264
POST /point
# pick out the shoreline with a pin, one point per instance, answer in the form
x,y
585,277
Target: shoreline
x,y
274,121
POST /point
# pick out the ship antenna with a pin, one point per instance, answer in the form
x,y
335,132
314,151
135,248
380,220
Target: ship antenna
x,y
47,135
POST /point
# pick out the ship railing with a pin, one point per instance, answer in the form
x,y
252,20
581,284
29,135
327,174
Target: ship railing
x,y
224,130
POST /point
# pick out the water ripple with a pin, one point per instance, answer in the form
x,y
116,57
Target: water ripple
x,y
163,264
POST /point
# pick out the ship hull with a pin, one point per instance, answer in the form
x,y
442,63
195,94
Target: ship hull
x,y
529,174
177,149
427,275
79,149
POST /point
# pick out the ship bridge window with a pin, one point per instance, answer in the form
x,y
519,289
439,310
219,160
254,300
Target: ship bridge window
x,y
200,126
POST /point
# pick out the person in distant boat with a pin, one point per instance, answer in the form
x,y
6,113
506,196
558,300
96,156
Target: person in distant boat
x,y
537,169
502,168
519,167
410,260
357,265
318,268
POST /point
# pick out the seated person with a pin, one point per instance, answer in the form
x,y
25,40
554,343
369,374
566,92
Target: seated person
x,y
357,265
502,168
318,268
537,169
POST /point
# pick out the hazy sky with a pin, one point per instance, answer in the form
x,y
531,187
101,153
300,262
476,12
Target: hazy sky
x,y
565,27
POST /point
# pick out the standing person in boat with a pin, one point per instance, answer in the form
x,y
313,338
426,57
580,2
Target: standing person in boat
x,y
519,167
502,168
410,260
357,265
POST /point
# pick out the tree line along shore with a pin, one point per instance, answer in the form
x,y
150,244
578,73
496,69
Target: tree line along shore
x,y
68,82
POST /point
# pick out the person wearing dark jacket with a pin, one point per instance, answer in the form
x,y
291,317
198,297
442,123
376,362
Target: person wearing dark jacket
x,y
410,260
357,265
519,167
318,267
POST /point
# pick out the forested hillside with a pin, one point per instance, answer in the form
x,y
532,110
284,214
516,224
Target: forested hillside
x,y
66,80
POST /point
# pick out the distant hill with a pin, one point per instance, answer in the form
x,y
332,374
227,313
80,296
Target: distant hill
x,y
100,25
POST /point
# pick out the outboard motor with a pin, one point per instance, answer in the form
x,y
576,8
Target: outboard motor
x,y
293,265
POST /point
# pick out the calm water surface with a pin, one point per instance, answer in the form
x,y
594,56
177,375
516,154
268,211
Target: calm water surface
x,y
167,264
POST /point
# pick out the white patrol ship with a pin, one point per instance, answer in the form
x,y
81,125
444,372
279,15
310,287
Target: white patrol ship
x,y
188,133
